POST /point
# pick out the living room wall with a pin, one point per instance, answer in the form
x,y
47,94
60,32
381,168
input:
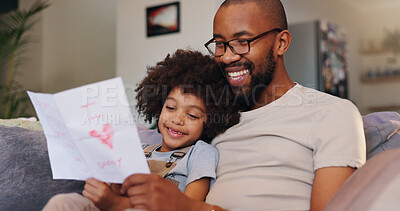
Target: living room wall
x,y
29,71
73,44
79,42
135,50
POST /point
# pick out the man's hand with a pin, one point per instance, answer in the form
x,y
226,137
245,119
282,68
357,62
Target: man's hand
x,y
152,192
103,197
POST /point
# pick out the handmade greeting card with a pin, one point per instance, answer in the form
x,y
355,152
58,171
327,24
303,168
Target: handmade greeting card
x,y
90,132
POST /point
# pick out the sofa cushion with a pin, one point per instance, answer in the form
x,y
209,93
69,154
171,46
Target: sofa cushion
x,y
381,132
375,186
26,181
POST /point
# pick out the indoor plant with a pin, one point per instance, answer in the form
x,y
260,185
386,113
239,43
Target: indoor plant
x,y
13,43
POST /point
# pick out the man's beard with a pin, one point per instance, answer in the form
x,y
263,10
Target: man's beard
x,y
247,98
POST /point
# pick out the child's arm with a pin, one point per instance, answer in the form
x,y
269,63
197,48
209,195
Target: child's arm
x,y
201,167
103,197
198,189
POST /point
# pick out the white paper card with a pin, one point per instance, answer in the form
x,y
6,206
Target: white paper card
x,y
90,132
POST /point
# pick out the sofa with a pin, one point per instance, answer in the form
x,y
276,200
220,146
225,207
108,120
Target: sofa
x,y
376,185
25,175
27,184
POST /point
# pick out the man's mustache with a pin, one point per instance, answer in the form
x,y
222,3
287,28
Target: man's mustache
x,y
246,64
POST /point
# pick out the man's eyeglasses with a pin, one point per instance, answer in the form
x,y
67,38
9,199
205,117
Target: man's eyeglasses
x,y
237,46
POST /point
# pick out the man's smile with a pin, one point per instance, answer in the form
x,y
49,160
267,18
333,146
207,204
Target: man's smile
x,y
238,73
237,78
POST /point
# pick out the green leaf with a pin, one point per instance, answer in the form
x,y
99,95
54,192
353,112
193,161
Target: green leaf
x,y
13,44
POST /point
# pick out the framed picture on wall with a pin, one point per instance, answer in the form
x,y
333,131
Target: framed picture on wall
x,y
162,19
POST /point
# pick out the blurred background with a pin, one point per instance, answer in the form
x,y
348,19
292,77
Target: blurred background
x,y
351,47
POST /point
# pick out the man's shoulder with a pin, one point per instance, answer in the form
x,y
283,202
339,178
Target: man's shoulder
x,y
320,98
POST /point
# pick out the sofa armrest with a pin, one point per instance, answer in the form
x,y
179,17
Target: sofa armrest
x,y
375,186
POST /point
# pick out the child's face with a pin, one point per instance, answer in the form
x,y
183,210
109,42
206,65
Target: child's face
x,y
181,120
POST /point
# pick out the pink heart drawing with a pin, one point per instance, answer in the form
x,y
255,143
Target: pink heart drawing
x,y
105,136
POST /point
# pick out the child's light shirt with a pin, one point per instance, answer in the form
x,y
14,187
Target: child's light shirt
x,y
199,162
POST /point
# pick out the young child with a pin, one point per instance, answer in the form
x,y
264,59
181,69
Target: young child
x,y
188,97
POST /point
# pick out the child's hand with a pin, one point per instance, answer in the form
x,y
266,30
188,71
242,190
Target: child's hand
x,y
102,196
116,188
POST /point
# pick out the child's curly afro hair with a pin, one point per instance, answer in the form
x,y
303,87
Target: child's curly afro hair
x,y
194,73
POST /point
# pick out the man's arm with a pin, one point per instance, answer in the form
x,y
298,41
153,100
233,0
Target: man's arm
x,y
152,192
327,182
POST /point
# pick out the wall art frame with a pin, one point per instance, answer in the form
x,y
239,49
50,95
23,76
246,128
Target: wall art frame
x,y
163,19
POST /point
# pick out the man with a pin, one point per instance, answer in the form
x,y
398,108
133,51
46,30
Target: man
x,y
293,148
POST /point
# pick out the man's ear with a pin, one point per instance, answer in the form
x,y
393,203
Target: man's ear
x,y
283,42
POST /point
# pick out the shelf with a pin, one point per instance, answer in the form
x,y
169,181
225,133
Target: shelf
x,y
375,51
384,108
381,79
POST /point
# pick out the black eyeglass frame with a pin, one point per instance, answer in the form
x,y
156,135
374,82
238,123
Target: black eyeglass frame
x,y
247,40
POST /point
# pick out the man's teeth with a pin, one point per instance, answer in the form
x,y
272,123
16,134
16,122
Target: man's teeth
x,y
175,131
238,73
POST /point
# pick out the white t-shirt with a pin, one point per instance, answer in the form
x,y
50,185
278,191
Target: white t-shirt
x,y
268,160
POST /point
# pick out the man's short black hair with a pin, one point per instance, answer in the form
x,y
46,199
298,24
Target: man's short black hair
x,y
273,10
